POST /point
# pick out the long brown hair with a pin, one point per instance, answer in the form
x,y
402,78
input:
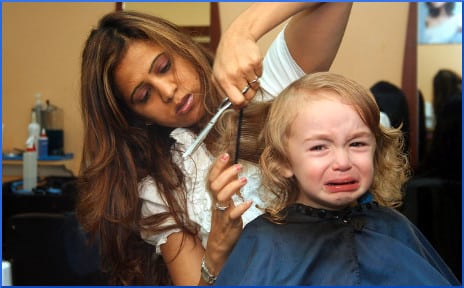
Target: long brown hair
x,y
120,149
251,144
390,163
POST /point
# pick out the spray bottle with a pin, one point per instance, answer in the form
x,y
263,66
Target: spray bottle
x,y
30,165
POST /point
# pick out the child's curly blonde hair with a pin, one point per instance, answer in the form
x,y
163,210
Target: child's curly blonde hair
x,y
391,167
268,145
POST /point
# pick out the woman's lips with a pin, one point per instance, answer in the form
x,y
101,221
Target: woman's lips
x,y
185,105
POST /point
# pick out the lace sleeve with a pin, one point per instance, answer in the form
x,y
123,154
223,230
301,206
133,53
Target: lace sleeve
x,y
195,170
153,204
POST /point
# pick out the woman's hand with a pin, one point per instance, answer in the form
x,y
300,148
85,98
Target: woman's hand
x,y
313,37
238,63
183,252
226,222
237,67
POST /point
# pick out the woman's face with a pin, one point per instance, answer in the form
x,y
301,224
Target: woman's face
x,y
331,154
160,87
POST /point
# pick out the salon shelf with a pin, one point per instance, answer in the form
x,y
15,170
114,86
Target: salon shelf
x,y
47,166
67,156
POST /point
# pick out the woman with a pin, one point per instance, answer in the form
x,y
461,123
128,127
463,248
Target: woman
x,y
147,90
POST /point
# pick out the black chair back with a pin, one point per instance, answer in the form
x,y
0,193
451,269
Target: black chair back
x,y
50,249
434,206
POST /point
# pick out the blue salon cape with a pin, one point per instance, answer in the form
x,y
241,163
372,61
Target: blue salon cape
x,y
365,245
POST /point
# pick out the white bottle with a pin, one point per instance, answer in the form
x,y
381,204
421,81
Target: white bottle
x,y
30,168
34,130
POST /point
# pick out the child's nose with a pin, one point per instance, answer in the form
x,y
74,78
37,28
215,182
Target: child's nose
x,y
342,160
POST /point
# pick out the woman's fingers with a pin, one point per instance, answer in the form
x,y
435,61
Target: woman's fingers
x,y
231,187
236,68
235,92
237,212
223,179
223,182
218,167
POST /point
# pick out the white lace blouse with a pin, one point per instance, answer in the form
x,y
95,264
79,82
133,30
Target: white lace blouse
x,y
279,71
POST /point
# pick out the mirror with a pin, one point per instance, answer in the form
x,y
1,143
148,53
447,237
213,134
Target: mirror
x,y
437,184
439,45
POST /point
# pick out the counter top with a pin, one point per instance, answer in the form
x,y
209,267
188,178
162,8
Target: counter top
x,y
67,156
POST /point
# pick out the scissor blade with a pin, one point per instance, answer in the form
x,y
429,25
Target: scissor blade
x,y
194,146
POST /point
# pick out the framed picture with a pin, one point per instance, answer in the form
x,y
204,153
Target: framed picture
x,y
440,22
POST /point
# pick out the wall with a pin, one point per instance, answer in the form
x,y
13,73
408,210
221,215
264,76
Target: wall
x,y
42,43
191,14
372,48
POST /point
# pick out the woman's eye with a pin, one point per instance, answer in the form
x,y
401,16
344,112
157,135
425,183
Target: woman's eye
x,y
164,64
143,95
167,66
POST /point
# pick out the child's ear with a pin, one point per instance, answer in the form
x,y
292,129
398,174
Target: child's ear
x,y
286,171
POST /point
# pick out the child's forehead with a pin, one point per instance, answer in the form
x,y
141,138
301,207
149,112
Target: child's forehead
x,y
322,94
355,100
323,106
323,103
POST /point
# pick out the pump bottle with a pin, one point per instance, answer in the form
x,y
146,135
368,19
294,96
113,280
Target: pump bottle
x,y
38,110
34,130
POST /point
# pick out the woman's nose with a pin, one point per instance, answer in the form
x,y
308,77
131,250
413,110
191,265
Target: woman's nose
x,y
166,89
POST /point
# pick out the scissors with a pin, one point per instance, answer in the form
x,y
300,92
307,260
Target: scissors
x,y
225,104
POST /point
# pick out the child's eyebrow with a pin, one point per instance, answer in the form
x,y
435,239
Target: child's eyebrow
x,y
363,133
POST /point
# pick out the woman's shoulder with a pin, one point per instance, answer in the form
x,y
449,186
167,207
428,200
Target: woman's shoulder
x,y
148,190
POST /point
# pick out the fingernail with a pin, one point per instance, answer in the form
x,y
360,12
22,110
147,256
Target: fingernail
x,y
225,157
243,179
238,167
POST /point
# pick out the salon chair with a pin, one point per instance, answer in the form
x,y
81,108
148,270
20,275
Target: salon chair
x,y
434,206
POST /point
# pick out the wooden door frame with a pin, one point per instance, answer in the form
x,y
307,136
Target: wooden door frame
x,y
409,83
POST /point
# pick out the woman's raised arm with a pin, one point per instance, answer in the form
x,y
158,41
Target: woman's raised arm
x,y
313,37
